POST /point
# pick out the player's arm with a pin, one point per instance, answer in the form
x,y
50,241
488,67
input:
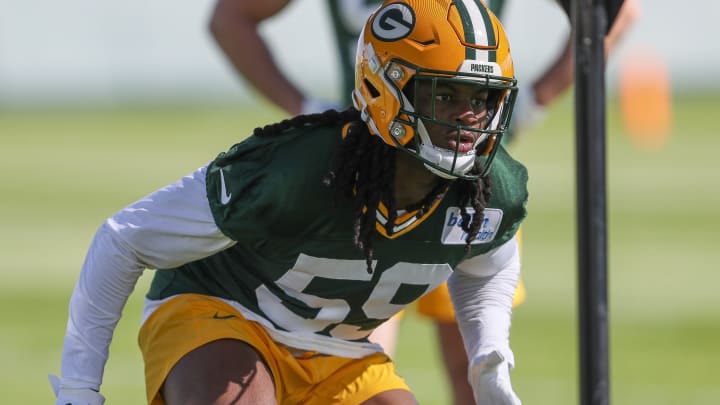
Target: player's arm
x,y
482,290
234,26
169,227
627,15
559,76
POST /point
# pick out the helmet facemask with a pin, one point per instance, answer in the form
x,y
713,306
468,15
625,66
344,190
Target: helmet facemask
x,y
454,160
408,45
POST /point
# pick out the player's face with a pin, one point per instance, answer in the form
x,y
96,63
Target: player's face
x,y
463,104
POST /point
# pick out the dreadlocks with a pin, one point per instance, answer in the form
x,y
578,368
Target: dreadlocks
x,y
363,170
329,117
476,194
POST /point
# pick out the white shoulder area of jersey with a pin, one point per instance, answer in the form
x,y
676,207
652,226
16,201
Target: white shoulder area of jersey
x,y
488,264
173,225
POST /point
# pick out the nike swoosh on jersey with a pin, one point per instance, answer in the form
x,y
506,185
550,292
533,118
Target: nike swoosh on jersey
x,y
224,195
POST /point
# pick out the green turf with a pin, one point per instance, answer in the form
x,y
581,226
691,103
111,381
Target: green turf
x,y
64,171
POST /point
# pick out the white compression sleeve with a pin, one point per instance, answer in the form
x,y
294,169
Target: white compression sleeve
x,y
482,290
106,281
172,226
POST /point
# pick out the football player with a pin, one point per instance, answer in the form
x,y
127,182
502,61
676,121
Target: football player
x,y
277,260
234,26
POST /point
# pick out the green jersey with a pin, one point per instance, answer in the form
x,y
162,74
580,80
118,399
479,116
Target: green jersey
x,y
294,266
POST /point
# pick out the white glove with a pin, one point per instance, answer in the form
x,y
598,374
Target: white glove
x,y
314,105
490,379
74,396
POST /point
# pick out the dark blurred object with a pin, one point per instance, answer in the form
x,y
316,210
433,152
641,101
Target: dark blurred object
x,y
566,6
612,7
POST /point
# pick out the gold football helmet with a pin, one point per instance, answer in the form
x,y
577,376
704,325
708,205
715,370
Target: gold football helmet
x,y
436,42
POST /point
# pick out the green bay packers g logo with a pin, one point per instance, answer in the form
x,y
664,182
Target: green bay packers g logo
x,y
393,22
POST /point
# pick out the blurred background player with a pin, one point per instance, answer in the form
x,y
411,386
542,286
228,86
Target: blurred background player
x,y
234,25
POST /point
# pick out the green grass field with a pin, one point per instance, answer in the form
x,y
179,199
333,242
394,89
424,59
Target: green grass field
x,y
65,171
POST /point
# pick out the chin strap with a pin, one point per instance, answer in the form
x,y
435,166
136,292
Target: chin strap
x,y
444,157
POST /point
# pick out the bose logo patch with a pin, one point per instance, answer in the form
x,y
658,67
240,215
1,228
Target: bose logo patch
x,y
453,233
393,22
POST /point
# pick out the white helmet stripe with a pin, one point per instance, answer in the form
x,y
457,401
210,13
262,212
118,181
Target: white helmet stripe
x,y
478,29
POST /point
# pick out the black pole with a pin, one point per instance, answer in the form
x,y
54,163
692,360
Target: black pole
x,y
590,22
